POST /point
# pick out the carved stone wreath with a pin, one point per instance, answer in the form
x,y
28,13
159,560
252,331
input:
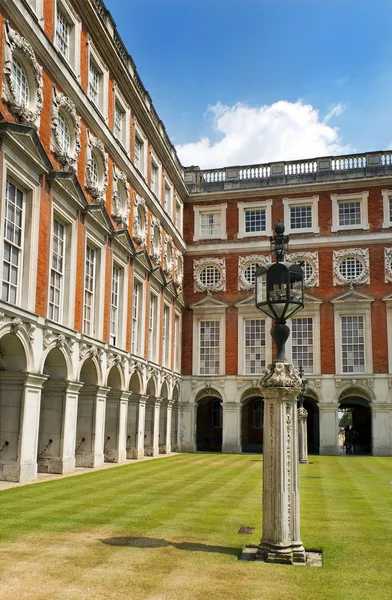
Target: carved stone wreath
x,y
96,149
68,159
168,256
243,263
15,43
359,253
388,264
120,200
140,221
200,265
178,269
312,259
155,240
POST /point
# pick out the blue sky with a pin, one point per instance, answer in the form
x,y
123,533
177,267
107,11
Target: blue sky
x,y
255,80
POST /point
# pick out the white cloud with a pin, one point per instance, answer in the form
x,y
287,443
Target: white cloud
x,y
282,131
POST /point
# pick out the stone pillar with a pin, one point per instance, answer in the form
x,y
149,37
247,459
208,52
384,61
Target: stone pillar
x,y
91,426
141,419
167,445
329,440
302,435
19,421
188,422
281,541
69,427
116,426
382,430
231,434
156,423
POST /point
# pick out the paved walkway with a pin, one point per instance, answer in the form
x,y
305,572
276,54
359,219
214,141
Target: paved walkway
x,y
4,485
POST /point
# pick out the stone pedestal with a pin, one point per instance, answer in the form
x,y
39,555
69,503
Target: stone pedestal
x,y
303,435
281,541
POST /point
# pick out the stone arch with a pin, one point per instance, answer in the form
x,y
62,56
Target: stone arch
x,y
114,446
11,351
89,415
151,388
357,400
252,419
135,383
56,362
209,420
356,389
115,378
207,391
176,394
90,371
164,391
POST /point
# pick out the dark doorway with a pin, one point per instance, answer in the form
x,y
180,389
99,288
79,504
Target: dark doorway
x,y
252,425
313,425
361,424
209,425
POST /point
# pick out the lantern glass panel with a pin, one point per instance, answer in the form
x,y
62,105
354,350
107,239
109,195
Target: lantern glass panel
x,y
261,286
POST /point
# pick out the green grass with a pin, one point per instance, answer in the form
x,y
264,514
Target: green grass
x,y
167,530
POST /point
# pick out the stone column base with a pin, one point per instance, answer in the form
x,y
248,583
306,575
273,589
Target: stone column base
x,y
56,465
18,473
89,460
304,461
135,453
115,456
284,555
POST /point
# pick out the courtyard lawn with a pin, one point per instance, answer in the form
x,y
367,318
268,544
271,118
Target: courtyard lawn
x,y
166,529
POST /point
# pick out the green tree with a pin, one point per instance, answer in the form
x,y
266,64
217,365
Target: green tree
x,y
346,419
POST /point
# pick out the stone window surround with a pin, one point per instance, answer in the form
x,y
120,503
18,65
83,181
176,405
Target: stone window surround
x,y
154,160
243,263
143,138
221,208
139,232
93,55
353,308
74,21
15,169
199,265
68,217
140,278
155,240
95,147
168,184
361,197
166,341
178,268
362,254
176,349
310,257
311,201
242,206
121,264
386,197
60,103
168,257
126,134
211,314
153,354
96,241
178,217
37,6
15,43
311,310
251,312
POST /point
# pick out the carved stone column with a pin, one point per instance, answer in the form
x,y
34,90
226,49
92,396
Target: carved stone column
x,y
303,435
281,541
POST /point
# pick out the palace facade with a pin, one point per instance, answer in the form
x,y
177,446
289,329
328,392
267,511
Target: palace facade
x,y
127,318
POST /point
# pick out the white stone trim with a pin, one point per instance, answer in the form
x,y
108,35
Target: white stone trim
x,y
178,268
96,148
311,311
313,259
311,201
168,185
154,161
362,254
141,321
386,197
199,265
143,138
140,221
217,208
242,206
38,9
96,241
246,261
361,197
155,240
93,56
125,140
60,103
388,264
121,205
75,23
18,45
168,257
120,262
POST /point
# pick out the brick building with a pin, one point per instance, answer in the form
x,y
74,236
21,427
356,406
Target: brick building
x,y
127,320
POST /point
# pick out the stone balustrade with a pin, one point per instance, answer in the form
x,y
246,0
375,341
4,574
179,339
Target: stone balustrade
x,y
328,168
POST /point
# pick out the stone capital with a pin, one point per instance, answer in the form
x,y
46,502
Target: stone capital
x,y
281,374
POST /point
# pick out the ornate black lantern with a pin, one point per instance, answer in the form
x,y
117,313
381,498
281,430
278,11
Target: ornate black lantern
x,y
280,290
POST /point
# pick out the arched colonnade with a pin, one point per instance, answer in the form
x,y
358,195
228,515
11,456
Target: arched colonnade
x,y
78,410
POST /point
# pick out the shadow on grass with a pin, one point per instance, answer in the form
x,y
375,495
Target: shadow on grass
x,y
145,542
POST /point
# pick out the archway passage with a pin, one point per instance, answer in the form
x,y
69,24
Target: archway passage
x,y
313,425
209,425
252,425
361,424
86,424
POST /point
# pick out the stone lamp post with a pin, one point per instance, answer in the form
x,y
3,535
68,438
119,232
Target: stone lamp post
x,y
280,294
302,422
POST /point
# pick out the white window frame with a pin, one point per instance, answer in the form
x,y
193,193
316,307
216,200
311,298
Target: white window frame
x,y
75,24
157,189
362,198
166,335
12,167
167,185
153,326
245,313
20,248
311,310
387,216
209,315
311,201
102,105
217,208
120,263
350,309
137,348
125,139
38,9
177,342
265,205
178,219
93,240
142,168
